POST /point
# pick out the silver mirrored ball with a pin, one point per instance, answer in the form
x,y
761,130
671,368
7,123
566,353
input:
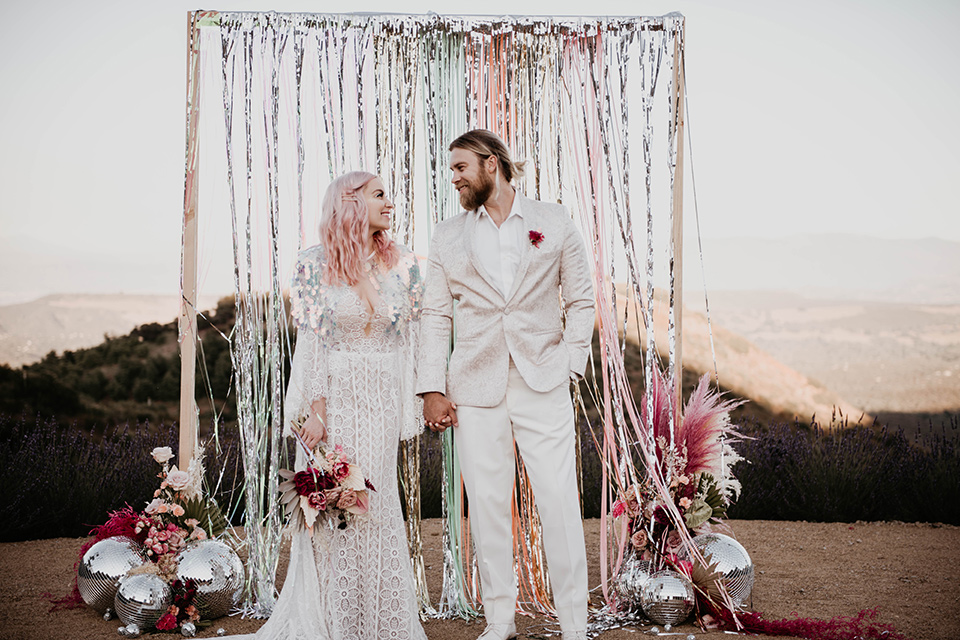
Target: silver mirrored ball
x,y
102,566
667,597
188,629
142,599
633,573
133,630
217,573
733,563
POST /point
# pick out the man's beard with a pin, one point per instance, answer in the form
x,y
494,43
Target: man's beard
x,y
471,198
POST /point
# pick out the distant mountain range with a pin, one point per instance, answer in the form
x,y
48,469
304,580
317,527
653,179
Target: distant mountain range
x,y
30,330
835,267
779,310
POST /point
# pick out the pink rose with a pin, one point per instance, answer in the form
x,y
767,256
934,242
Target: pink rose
x,y
348,499
191,522
639,539
175,540
674,541
333,495
685,503
153,507
178,510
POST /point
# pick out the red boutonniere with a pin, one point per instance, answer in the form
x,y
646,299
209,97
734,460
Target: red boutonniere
x,y
536,238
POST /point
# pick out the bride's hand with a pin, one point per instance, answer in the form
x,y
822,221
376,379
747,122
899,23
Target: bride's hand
x,y
313,431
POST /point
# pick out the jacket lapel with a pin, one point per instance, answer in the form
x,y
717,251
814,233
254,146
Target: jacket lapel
x,y
470,242
531,222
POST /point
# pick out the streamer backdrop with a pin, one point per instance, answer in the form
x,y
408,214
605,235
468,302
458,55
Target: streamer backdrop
x,y
285,102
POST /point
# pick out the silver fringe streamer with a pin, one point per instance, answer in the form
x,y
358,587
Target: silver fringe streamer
x,y
555,89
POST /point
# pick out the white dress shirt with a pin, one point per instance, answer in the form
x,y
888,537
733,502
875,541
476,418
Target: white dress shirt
x,y
499,248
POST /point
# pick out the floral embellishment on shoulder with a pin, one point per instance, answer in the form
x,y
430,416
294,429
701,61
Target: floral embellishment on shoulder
x,y
536,238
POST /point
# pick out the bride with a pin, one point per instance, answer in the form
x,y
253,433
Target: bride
x,y
356,301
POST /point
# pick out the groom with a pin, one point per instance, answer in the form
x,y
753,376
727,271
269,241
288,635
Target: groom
x,y
512,266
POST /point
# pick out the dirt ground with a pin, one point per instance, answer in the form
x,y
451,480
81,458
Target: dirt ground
x,y
909,572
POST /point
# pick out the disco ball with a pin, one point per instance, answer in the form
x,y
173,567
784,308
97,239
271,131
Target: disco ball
x,y
216,571
142,599
102,566
667,597
633,574
732,560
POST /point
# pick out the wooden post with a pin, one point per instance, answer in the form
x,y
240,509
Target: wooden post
x,y
677,232
188,270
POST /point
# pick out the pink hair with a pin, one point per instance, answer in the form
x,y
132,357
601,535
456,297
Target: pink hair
x,y
344,224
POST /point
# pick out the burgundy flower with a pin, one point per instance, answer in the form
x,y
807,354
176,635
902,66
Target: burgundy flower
x,y
313,480
536,238
306,481
168,622
325,481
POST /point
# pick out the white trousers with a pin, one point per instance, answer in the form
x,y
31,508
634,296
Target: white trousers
x,y
542,425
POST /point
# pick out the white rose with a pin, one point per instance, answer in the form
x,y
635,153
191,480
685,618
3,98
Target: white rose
x,y
178,480
162,454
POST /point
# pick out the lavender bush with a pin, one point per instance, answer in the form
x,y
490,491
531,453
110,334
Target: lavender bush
x,y
60,482
851,474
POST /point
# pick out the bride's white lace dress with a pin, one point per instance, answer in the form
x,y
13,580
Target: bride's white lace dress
x,y
354,583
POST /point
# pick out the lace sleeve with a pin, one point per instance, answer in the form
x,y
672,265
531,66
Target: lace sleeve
x,y
411,405
308,377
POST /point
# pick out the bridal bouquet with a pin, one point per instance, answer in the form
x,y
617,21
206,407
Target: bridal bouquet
x,y
331,486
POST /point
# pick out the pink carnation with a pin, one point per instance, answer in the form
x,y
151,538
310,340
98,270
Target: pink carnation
x,y
618,509
318,500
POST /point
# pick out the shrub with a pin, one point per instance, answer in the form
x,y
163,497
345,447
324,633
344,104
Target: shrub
x,y
59,482
845,475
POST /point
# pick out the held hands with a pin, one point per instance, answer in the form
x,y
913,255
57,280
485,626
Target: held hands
x,y
438,412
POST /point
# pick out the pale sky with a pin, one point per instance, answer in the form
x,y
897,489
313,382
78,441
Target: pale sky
x,y
818,117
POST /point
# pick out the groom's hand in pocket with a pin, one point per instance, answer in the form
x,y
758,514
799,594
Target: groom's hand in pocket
x,y
438,412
